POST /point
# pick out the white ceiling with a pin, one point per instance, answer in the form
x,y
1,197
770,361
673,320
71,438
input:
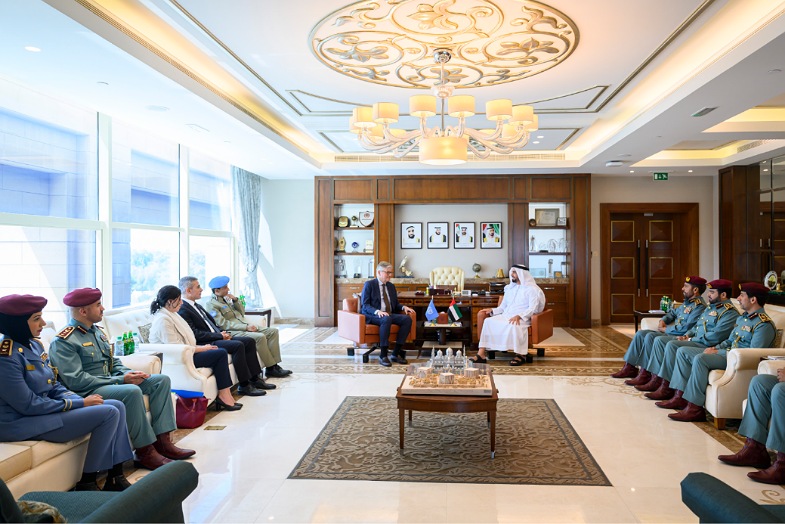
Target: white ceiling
x,y
245,71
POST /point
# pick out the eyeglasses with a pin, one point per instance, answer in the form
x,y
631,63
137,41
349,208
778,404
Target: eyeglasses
x,y
388,272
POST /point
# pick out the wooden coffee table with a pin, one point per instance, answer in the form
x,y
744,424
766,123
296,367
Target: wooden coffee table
x,y
449,404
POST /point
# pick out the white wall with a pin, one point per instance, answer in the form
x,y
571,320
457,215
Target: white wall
x,y
607,189
421,261
286,239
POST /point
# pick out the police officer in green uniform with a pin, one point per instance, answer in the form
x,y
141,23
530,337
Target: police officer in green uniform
x,y
714,326
82,353
753,329
764,426
229,313
675,322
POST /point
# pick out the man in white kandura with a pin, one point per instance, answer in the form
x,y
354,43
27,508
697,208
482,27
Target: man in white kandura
x,y
507,326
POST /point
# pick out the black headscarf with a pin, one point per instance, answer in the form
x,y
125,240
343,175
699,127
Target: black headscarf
x,y
16,328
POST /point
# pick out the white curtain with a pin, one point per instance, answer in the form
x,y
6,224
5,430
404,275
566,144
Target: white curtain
x,y
248,206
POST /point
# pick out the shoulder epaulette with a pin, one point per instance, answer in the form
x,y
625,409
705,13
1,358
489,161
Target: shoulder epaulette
x,y
764,317
697,300
728,305
101,329
5,347
66,332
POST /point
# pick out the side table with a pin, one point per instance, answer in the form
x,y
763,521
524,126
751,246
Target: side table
x,y
638,315
266,311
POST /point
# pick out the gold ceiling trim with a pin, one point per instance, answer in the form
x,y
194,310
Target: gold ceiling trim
x,y
391,42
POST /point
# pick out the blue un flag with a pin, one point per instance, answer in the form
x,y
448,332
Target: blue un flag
x,y
431,312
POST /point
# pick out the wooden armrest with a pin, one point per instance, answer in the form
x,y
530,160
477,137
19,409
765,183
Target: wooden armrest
x,y
542,326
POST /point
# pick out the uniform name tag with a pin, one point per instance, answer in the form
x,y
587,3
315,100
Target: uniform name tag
x,y
86,344
30,367
687,309
746,328
713,314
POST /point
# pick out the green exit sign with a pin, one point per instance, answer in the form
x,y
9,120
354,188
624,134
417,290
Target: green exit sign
x,y
660,176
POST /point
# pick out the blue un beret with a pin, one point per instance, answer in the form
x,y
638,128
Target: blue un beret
x,y
218,282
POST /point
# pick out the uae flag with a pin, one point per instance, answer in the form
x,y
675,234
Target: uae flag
x,y
454,311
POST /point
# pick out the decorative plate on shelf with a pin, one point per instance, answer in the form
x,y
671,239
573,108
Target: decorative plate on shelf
x,y
366,218
770,281
343,221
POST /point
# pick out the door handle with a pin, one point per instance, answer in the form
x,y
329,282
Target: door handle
x,y
646,266
638,268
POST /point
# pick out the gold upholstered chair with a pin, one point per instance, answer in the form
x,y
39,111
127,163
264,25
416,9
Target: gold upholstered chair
x,y
447,276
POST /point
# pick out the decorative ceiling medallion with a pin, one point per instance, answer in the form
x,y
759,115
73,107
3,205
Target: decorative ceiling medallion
x,y
391,42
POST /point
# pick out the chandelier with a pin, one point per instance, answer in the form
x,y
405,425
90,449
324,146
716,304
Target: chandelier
x,y
444,145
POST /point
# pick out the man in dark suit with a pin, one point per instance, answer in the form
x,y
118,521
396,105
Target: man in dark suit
x,y
243,349
380,306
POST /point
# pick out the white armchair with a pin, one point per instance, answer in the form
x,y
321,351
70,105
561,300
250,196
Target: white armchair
x,y
447,276
727,388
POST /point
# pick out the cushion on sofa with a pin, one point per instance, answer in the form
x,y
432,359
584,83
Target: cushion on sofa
x,y
43,451
14,460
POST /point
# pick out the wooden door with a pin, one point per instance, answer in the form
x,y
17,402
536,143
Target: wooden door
x,y
643,262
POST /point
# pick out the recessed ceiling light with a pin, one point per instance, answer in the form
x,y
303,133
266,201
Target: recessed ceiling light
x,y
32,49
536,142
632,171
765,170
159,109
614,163
540,136
689,171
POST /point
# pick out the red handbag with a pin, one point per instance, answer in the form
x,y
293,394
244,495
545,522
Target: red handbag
x,y
190,412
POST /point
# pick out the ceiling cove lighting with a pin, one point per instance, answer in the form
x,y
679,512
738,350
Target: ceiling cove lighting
x,y
444,145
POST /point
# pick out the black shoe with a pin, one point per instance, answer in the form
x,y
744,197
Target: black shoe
x,y
87,486
118,483
250,391
384,361
259,383
272,372
282,370
220,405
399,359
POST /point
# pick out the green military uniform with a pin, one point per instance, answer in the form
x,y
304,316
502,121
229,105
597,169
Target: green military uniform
x,y
84,360
230,316
713,327
755,330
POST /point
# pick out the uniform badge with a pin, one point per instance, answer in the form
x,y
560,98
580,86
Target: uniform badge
x,y
5,347
687,309
66,332
746,328
712,313
30,367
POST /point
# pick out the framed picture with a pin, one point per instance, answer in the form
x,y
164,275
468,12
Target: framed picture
x,y
546,216
537,272
491,235
463,235
561,221
437,235
411,235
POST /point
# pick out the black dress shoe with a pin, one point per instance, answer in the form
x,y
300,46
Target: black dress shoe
x,y
399,359
87,486
384,361
220,405
282,370
118,483
274,372
250,391
261,384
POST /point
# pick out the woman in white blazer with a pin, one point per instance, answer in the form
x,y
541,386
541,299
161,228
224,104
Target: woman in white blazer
x,y
168,327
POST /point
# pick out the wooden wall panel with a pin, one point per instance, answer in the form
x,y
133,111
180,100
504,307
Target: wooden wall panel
x,y
520,188
354,190
517,215
740,224
382,189
580,316
323,254
451,189
551,189
385,233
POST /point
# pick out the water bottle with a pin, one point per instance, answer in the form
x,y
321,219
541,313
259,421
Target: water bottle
x,y
125,343
131,343
119,350
242,300
137,340
665,303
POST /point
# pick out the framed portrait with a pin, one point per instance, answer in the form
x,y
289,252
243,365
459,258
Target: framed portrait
x,y
411,235
546,216
490,235
438,235
463,235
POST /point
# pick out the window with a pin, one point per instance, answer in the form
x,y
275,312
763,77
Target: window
x,y
210,257
48,262
210,183
145,178
142,262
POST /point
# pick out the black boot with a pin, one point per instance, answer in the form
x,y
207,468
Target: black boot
x,y
87,482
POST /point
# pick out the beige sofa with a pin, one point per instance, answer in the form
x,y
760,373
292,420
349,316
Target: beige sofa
x,y
33,465
727,387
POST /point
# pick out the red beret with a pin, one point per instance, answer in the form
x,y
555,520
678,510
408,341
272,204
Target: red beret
x,y
720,283
82,297
21,305
695,281
753,289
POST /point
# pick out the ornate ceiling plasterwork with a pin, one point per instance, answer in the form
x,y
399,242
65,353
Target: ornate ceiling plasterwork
x,y
391,42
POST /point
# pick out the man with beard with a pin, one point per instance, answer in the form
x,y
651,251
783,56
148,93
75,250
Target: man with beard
x,y
675,322
753,329
714,326
507,326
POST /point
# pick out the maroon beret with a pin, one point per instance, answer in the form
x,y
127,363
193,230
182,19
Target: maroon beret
x,y
720,283
82,297
695,281
21,305
753,289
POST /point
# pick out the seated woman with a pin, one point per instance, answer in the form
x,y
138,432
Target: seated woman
x,y
35,406
169,328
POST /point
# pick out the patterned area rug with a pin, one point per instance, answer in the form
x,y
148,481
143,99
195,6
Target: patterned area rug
x,y
535,444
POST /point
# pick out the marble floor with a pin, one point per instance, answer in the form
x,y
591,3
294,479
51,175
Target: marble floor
x,y
244,466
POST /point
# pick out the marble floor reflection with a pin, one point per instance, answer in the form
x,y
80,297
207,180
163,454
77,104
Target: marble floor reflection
x,y
244,466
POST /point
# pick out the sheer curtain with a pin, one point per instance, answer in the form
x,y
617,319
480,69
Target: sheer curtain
x,y
248,206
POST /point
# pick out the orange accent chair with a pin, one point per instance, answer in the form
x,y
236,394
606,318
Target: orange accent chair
x,y
541,328
352,326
